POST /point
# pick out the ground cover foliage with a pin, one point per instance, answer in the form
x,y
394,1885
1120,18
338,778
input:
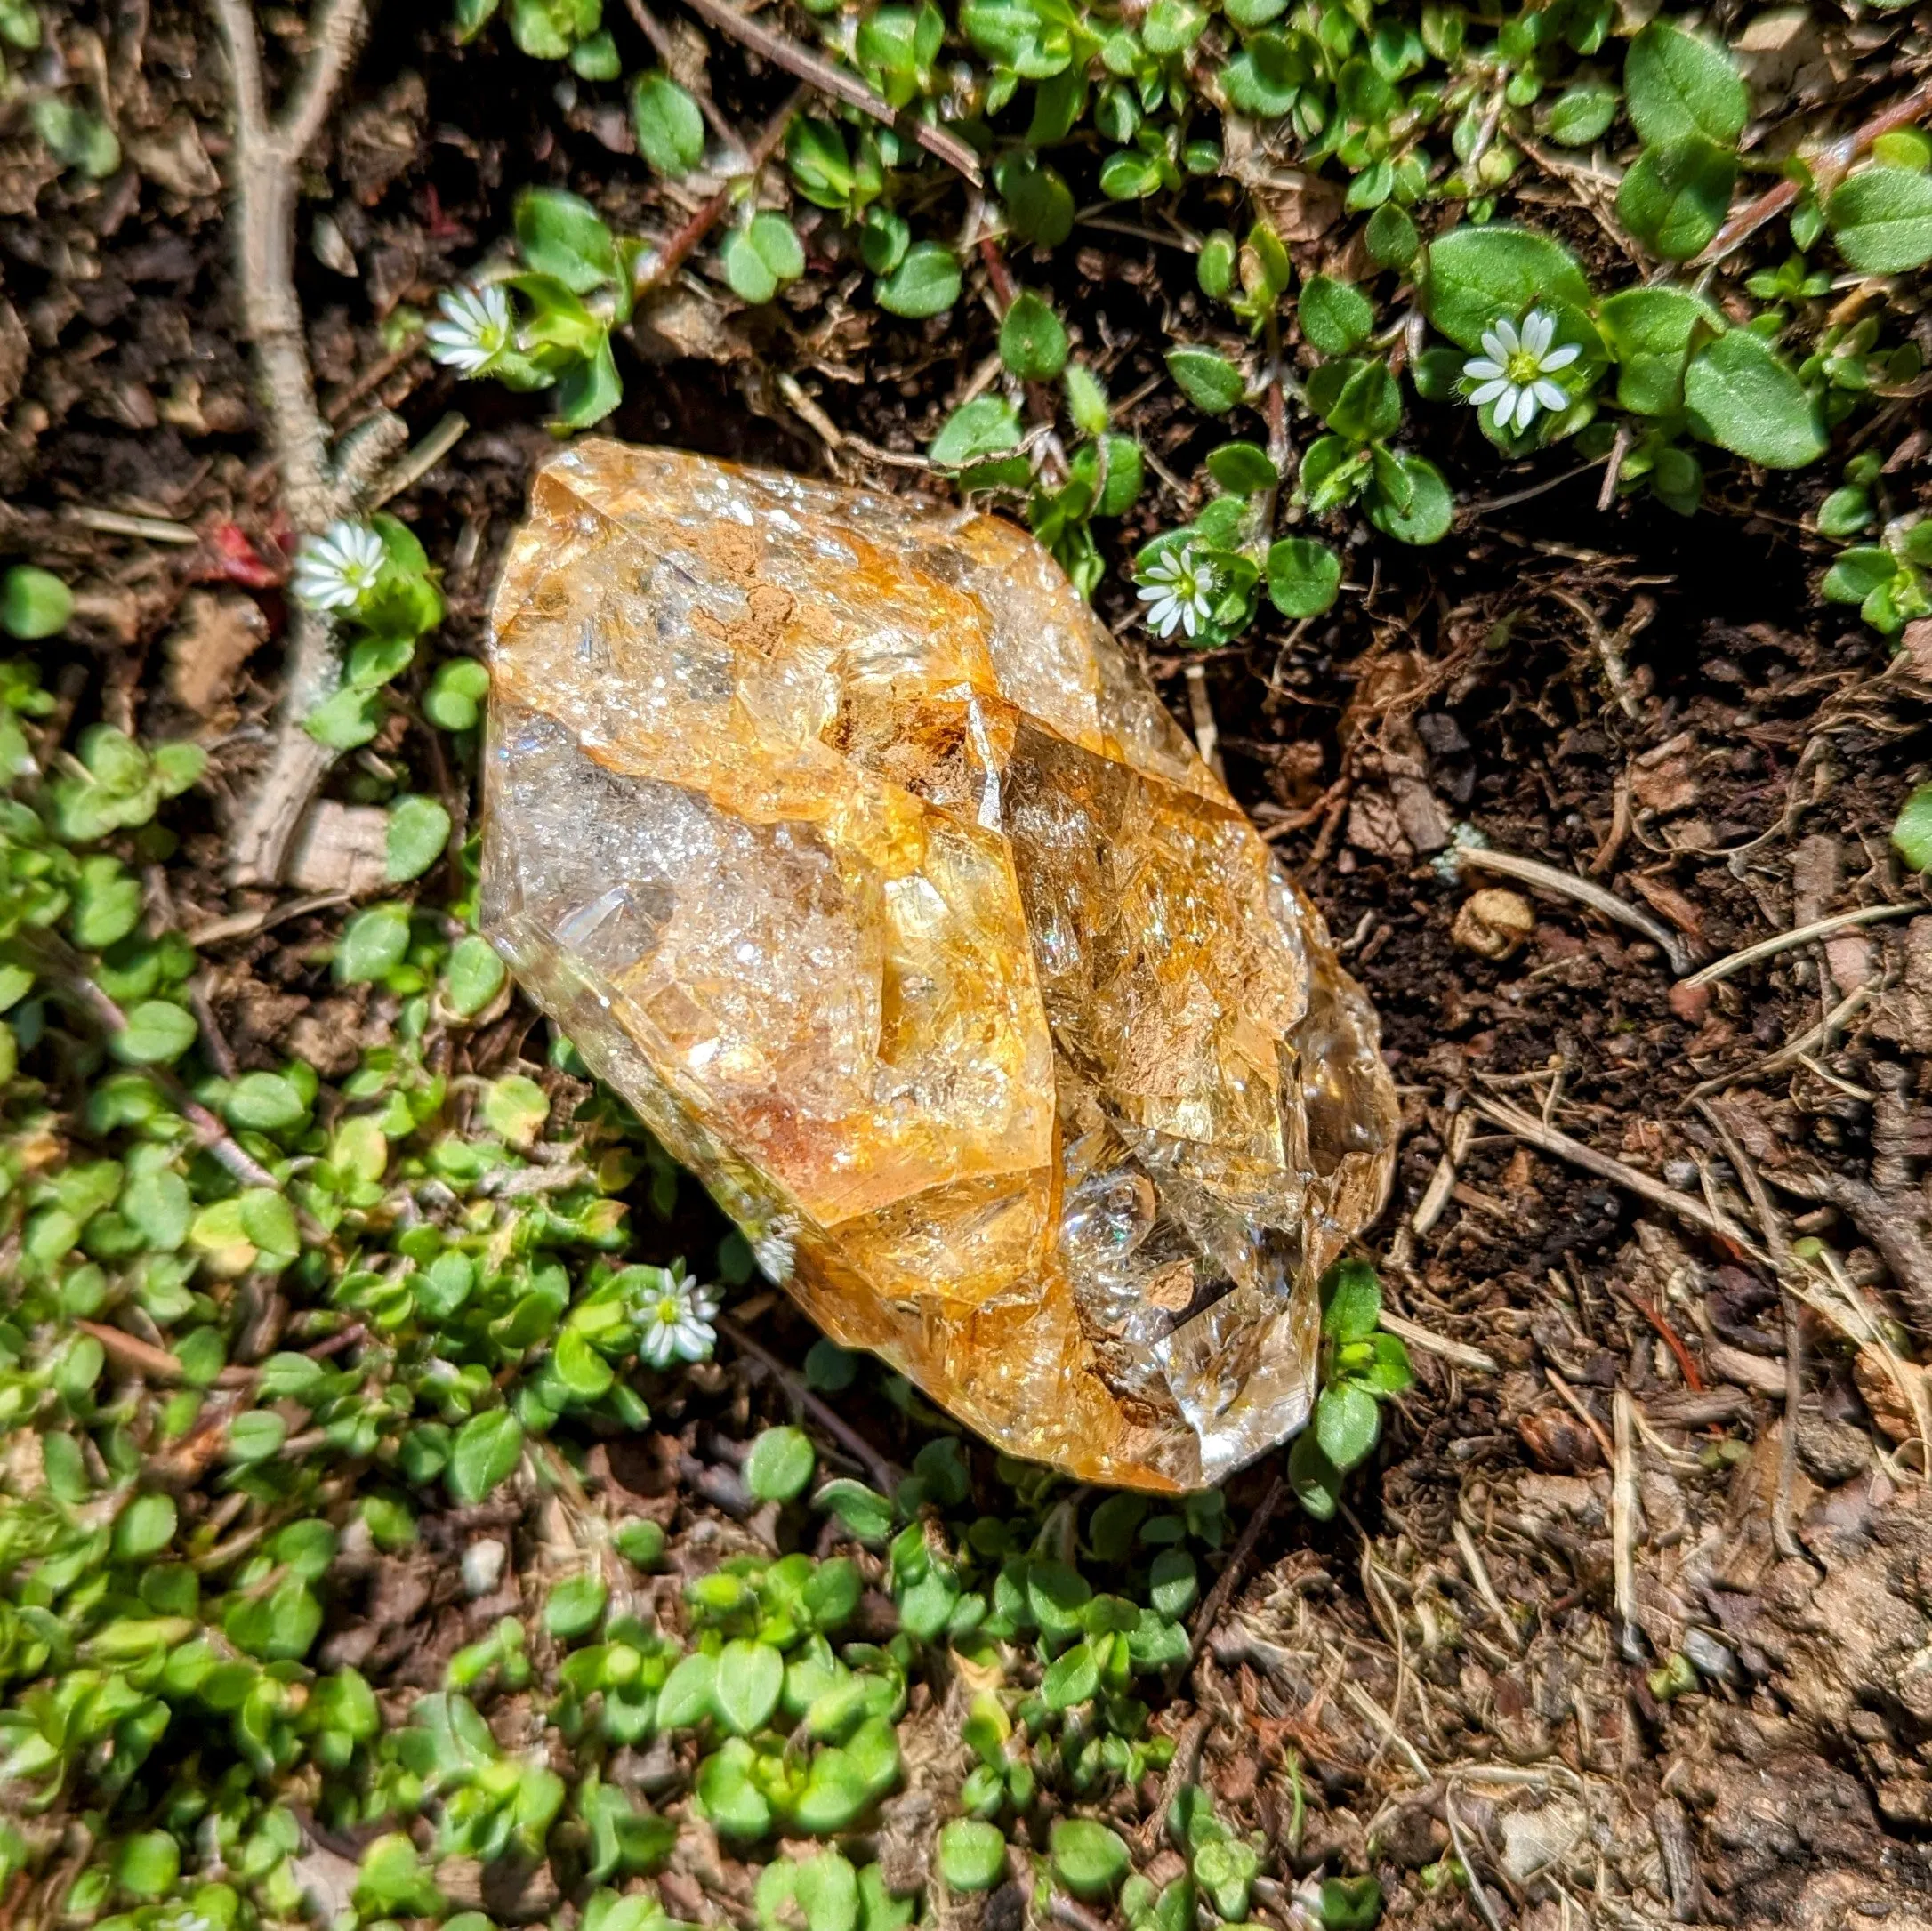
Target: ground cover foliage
x,y
1504,430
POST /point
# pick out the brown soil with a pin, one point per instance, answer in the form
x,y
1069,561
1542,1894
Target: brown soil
x,y
1660,706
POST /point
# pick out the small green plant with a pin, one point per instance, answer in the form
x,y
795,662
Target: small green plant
x,y
1361,1366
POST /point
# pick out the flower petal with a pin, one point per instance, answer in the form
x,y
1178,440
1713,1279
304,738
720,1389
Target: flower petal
x,y
1489,392
1494,347
1561,359
1538,330
1505,408
1526,409
1553,396
1508,334
1482,367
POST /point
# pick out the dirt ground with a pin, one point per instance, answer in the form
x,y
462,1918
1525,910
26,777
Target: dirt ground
x,y
1634,1613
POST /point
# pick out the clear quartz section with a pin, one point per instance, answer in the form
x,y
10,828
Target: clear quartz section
x,y
848,845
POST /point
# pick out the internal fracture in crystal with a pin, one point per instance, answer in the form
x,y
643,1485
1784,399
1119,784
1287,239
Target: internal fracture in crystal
x,y
844,842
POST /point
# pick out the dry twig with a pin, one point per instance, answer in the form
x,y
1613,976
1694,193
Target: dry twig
x,y
783,52
1823,171
1550,878
1768,948
883,1474
1526,1127
318,485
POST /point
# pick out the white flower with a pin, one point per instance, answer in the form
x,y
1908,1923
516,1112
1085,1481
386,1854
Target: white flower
x,y
1514,370
475,329
675,1319
339,568
1177,591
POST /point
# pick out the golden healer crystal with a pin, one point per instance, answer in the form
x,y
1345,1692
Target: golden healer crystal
x,y
845,842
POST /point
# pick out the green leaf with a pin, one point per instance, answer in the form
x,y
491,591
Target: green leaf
x,y
473,975
1314,1477
1740,396
1070,1678
1430,508
159,1208
149,1863
373,944
1346,1423
1351,1299
1474,275
864,1511
762,256
156,1032
1881,219
1173,1583
779,1465
1266,77
1651,332
1348,1903
670,128
1125,470
1033,340
1303,576
983,427
640,1542
1242,469
1209,381
587,391
1391,237
1676,84
750,1676
346,719
1911,835
1674,198
418,834
256,1436
597,58
486,1450
1086,400
729,1797
455,693
826,1890
1039,204
973,1856
562,235
1582,114
1335,315
835,1796
1087,1857
1389,1372
264,1103
1130,176
690,1693
515,1106
35,603
146,1527
576,1607
927,282
1356,398
1858,572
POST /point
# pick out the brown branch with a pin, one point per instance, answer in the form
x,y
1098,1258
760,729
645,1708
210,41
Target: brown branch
x,y
783,52
1234,1568
1826,169
678,249
674,58
884,1474
265,184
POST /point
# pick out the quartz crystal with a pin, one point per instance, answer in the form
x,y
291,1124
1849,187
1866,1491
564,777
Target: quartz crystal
x,y
845,842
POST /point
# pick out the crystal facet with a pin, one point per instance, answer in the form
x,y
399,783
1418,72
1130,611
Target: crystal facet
x,y
844,842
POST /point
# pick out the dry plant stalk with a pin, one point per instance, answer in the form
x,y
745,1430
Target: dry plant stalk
x,y
317,486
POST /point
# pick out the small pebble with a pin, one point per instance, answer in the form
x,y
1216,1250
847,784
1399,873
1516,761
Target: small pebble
x,y
1493,922
483,1567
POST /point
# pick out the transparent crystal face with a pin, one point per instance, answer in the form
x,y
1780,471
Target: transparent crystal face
x,y
847,844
